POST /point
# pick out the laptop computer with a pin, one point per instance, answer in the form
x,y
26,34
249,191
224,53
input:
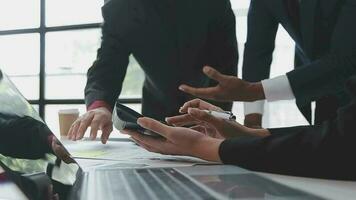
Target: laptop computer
x,y
41,168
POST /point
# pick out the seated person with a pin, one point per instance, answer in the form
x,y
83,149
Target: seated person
x,y
323,151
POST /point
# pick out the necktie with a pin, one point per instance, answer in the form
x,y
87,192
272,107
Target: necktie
x,y
293,12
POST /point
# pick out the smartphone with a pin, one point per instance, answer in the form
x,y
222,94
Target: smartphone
x,y
124,118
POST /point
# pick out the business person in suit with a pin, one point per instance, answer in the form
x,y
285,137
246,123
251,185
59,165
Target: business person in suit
x,y
172,41
323,31
322,151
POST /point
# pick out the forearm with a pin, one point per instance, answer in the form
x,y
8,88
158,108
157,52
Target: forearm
x,y
105,79
106,75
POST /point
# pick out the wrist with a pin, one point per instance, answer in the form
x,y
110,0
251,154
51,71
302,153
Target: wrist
x,y
99,104
253,120
257,92
259,132
207,148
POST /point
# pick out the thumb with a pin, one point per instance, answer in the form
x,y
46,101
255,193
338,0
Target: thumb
x,y
154,126
214,74
202,115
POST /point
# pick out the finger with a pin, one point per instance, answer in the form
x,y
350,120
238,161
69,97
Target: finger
x,y
126,132
74,130
155,126
94,127
205,93
206,117
105,133
198,103
195,103
214,74
84,124
150,141
145,146
73,127
199,128
181,120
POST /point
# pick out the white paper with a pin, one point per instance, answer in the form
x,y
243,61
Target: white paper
x,y
126,155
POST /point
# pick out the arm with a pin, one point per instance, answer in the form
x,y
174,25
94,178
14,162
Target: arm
x,y
105,79
24,137
106,76
327,75
317,151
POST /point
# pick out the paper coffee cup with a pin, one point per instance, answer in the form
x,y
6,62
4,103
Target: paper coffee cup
x,y
66,118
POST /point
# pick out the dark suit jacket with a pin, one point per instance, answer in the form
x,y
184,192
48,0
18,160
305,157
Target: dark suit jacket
x,y
323,151
171,40
325,50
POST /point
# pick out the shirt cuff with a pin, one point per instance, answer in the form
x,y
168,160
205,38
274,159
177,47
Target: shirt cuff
x,y
278,88
99,104
256,107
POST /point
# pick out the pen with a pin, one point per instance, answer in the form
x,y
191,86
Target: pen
x,y
222,114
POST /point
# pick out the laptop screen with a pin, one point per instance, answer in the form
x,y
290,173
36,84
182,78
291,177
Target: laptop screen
x,y
31,157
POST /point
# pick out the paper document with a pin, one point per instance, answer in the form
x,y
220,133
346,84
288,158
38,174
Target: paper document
x,y
124,154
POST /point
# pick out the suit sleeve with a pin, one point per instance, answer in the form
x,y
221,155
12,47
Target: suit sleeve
x,y
24,137
313,151
327,75
106,75
261,34
223,52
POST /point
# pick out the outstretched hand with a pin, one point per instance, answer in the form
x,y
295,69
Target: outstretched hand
x,y
229,88
176,141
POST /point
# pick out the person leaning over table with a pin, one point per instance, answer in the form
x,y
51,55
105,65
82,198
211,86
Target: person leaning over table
x,y
321,151
171,40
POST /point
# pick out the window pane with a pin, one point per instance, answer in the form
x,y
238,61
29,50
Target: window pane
x,y
20,54
16,14
27,85
69,55
20,60
52,117
76,12
132,86
71,51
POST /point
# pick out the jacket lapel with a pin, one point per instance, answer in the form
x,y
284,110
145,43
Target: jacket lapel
x,y
307,19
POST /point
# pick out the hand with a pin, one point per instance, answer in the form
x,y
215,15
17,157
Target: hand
x,y
229,88
218,127
177,141
61,152
97,119
253,120
185,118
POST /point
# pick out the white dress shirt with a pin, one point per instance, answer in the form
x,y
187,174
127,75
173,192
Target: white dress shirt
x,y
275,89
